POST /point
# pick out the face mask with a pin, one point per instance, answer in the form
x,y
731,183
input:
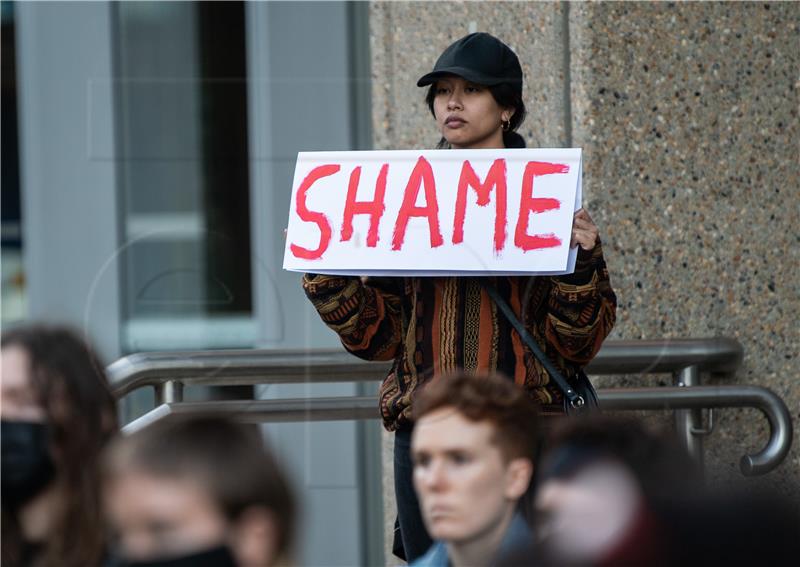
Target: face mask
x,y
215,557
26,465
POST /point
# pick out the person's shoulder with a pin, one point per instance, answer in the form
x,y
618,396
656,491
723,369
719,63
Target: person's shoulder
x,y
517,542
436,556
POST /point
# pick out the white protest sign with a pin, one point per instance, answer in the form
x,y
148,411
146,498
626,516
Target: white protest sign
x,y
434,212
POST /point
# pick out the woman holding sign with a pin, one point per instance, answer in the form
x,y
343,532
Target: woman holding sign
x,y
437,325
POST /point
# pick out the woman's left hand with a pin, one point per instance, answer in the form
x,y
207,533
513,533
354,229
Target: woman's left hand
x,y
584,231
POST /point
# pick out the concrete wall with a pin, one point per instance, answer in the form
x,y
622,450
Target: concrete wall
x,y
688,116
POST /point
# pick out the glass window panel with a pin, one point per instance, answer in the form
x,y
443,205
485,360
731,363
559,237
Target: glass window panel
x,y
183,170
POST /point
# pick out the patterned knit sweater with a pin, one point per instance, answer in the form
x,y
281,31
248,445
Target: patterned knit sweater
x,y
434,326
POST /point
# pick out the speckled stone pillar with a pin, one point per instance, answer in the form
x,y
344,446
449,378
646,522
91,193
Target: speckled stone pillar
x,y
688,117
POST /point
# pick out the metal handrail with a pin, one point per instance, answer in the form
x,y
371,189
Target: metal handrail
x,y
248,367
697,397
667,398
168,372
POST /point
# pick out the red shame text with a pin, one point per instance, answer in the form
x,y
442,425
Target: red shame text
x,y
422,179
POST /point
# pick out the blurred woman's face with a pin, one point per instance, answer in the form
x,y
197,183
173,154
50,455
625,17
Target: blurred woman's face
x,y
600,502
468,115
19,401
27,467
154,517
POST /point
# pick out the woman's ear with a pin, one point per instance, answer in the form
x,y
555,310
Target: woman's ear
x,y
255,538
518,476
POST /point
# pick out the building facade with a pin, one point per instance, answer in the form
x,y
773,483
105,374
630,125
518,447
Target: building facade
x,y
157,141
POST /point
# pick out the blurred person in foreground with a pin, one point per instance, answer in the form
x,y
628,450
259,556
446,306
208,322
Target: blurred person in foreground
x,y
610,492
473,448
197,491
56,415
605,491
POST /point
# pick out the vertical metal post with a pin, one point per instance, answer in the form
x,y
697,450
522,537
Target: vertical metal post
x,y
169,392
687,422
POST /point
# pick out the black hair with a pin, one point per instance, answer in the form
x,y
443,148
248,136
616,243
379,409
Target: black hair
x,y
660,465
507,97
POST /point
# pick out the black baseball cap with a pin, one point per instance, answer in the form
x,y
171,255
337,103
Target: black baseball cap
x,y
480,58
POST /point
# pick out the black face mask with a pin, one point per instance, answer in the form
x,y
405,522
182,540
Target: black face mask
x,y
26,465
219,556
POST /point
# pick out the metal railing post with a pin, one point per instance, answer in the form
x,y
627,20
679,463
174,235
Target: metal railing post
x,y
689,421
169,392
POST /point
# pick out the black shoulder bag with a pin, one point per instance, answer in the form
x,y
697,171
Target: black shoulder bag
x,y
579,399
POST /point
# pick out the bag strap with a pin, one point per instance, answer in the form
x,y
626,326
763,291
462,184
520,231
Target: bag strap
x,y
575,400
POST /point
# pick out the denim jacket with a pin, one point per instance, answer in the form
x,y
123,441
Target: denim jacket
x,y
517,535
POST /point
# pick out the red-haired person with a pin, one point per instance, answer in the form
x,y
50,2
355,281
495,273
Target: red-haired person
x,y
473,449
